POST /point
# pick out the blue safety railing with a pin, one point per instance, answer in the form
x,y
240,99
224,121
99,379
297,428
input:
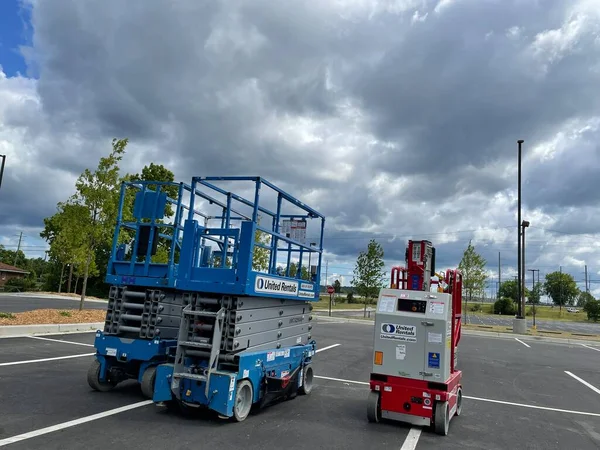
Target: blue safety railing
x,y
155,245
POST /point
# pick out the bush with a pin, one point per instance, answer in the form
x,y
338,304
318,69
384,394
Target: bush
x,y
350,298
475,307
22,284
504,306
592,308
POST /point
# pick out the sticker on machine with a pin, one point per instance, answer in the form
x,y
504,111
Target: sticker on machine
x,y
395,332
434,338
270,285
387,304
433,360
401,351
436,307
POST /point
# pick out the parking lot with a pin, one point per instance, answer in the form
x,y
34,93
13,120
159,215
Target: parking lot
x,y
518,394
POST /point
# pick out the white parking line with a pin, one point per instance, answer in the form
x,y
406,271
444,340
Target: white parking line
x,y
326,348
502,402
60,340
411,441
14,363
526,345
585,383
71,423
591,348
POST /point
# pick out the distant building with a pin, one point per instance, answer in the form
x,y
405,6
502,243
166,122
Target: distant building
x,y
8,272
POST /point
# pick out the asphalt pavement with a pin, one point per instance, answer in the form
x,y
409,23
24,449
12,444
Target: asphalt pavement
x,y
475,319
533,395
16,303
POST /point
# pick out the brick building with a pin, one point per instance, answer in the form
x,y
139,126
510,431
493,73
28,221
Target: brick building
x,y
8,272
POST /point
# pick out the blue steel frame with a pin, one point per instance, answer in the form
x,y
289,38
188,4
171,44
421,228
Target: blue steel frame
x,y
193,271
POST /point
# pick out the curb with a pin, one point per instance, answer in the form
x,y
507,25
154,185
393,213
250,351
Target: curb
x,y
30,330
50,297
488,334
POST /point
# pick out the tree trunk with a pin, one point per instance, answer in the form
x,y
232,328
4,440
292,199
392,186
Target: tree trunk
x,y
62,274
85,279
76,284
70,278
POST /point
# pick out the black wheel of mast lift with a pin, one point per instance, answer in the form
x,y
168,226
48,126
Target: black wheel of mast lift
x,y
459,402
93,378
441,418
147,384
374,407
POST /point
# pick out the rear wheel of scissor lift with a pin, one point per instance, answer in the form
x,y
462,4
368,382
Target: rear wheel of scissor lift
x,y
147,384
243,400
93,378
441,418
307,380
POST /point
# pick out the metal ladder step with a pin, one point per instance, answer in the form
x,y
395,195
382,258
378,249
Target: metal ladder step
x,y
190,376
188,312
195,344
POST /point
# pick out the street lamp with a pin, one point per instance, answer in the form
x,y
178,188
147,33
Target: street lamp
x,y
310,273
524,225
533,271
2,168
519,324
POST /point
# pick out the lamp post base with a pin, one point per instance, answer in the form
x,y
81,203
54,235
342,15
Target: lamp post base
x,y
519,326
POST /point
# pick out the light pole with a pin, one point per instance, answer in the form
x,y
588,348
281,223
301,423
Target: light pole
x,y
2,168
519,324
524,225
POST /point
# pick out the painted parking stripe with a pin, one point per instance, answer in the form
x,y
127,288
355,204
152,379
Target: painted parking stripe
x,y
31,361
411,441
326,348
60,340
591,348
526,345
71,423
582,381
502,402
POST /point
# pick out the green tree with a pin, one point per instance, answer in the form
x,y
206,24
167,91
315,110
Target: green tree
x,y
337,286
369,276
583,298
509,289
561,288
592,308
472,267
98,192
535,294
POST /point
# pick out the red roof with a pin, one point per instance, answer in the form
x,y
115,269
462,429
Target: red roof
x,y
9,268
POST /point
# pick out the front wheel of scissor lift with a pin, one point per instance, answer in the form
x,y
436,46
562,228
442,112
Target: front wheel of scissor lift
x,y
243,400
147,384
441,418
93,378
307,380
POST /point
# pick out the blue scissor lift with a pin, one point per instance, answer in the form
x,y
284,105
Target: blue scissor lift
x,y
224,328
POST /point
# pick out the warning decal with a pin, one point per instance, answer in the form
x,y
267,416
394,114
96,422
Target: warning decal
x,y
433,360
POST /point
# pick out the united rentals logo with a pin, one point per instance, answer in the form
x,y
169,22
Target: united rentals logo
x,y
275,286
407,333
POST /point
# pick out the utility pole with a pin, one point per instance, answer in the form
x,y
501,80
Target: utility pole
x,y
2,168
18,248
533,288
499,276
586,280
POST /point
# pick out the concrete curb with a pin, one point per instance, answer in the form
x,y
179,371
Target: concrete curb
x,y
523,337
50,297
31,330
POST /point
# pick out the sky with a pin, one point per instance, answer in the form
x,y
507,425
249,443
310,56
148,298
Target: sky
x,y
397,119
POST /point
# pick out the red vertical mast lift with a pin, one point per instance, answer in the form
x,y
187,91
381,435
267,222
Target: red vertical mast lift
x,y
414,378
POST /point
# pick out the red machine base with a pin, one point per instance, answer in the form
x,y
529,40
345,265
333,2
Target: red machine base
x,y
417,402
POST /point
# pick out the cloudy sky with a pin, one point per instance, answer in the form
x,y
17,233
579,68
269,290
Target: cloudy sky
x,y
397,119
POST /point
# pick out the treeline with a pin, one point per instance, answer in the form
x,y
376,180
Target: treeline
x,y
80,232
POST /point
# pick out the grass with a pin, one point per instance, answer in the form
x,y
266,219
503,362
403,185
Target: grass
x,y
532,332
323,303
544,312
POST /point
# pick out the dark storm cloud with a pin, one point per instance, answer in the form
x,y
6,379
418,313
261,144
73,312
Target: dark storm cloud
x,y
233,88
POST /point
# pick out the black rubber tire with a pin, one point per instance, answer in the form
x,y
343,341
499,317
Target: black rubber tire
x,y
374,407
307,380
93,378
441,418
147,384
459,401
244,393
